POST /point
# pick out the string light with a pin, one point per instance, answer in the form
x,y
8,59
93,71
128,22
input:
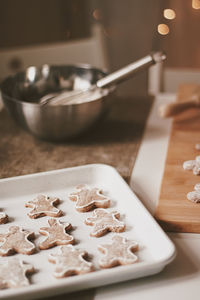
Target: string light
x,y
163,29
97,14
169,14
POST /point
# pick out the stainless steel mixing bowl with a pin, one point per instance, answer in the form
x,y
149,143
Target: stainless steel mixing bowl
x,y
21,94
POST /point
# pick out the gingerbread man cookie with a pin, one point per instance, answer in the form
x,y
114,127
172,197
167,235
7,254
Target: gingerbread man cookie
x,y
119,252
193,165
43,206
3,218
70,261
104,221
13,273
88,198
56,234
16,240
194,196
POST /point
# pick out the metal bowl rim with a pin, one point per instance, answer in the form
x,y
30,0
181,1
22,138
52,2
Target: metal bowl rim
x,y
78,65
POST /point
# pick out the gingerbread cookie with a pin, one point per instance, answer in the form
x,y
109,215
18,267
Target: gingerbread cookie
x,y
119,252
16,240
104,221
43,206
3,218
56,234
88,198
194,196
13,273
193,165
70,261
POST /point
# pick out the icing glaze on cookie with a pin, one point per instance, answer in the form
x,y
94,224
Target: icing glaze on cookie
x,y
13,273
104,221
16,240
118,252
70,261
56,234
88,198
44,206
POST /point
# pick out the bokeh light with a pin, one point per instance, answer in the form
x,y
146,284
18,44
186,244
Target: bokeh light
x,y
97,15
169,14
196,4
163,29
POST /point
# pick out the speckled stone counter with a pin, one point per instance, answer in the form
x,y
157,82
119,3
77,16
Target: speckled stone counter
x,y
114,141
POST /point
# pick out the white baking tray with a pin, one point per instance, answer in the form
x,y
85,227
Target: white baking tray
x,y
155,248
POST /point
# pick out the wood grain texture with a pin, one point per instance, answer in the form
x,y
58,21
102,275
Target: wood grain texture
x,y
174,212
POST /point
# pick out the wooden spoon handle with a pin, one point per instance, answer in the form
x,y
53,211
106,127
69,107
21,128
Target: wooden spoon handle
x,y
173,109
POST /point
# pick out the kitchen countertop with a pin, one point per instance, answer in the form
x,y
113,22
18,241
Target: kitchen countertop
x,y
180,279
121,132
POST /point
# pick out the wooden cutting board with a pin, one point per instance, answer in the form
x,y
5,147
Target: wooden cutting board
x,y
174,212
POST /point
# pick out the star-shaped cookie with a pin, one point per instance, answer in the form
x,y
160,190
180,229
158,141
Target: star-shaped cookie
x,y
88,198
70,261
119,252
16,240
104,221
44,206
56,234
